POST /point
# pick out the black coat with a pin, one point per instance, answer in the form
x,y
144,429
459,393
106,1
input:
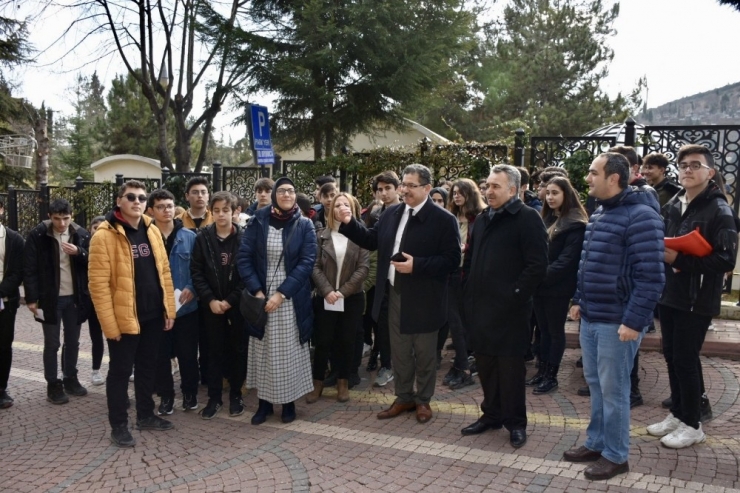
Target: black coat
x,y
563,255
697,286
433,239
41,270
505,261
12,268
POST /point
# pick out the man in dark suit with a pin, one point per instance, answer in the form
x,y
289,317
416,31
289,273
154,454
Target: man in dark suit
x,y
505,260
426,240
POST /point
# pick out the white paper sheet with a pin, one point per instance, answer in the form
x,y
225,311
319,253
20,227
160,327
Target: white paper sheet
x,y
177,300
338,305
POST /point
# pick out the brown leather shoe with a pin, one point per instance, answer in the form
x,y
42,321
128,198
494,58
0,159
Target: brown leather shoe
x,y
342,390
318,388
423,413
581,454
604,469
396,409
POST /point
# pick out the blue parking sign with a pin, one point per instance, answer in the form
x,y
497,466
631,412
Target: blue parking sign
x,y
260,133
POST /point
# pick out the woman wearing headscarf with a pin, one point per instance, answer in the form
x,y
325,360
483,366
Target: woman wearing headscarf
x,y
275,261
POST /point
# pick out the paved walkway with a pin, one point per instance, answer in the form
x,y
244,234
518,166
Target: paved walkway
x,y
344,448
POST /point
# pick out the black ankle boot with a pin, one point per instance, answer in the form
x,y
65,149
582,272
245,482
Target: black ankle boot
x,y
537,378
288,414
549,381
263,411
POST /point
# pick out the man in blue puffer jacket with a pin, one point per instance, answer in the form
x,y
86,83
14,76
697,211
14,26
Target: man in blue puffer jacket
x,y
620,279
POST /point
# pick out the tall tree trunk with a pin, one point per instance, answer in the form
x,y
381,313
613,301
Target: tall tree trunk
x,y
40,132
208,128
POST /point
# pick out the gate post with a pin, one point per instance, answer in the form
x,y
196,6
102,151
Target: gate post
x,y
519,147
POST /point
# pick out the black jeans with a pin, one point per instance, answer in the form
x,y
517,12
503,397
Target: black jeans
x,y
336,334
683,336
459,338
184,339
382,334
67,315
551,312
96,337
7,334
139,349
504,401
203,350
227,343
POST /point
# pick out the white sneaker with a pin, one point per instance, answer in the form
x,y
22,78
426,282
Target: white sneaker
x,y
131,378
684,436
385,375
668,425
711,327
97,378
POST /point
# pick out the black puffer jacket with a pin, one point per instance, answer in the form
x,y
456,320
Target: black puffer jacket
x,y
12,268
697,284
563,255
41,270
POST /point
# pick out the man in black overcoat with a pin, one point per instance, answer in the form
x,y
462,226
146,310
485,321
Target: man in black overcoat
x,y
426,239
505,261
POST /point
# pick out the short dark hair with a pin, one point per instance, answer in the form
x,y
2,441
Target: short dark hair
x,y
304,203
551,172
655,158
628,152
619,164
60,206
96,220
327,188
387,177
695,149
264,184
159,194
524,173
130,184
196,180
323,180
242,203
227,197
425,176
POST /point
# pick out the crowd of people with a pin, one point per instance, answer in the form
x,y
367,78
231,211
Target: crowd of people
x,y
494,266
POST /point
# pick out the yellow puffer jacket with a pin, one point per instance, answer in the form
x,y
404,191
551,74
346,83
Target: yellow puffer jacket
x,y
188,222
111,277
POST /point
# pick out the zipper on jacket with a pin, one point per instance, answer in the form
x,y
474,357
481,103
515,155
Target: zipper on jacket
x,y
133,274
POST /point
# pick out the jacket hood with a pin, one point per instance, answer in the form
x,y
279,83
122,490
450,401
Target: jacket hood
x,y
114,217
630,196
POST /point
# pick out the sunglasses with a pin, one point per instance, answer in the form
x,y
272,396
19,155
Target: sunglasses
x,y
132,197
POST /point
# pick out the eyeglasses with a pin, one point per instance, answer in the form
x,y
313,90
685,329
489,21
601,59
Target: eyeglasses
x,y
285,191
131,197
198,192
163,207
410,185
694,165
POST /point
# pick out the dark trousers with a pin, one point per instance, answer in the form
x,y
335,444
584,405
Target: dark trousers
x,y
414,357
183,338
67,315
502,379
683,336
96,337
457,330
227,342
551,312
7,334
368,324
203,351
336,333
382,335
133,349
359,344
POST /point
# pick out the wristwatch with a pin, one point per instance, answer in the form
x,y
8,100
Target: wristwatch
x,y
281,294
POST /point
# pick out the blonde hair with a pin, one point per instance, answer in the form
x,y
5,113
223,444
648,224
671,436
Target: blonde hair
x,y
353,206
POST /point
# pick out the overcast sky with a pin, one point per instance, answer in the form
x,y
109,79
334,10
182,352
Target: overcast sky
x,y
654,37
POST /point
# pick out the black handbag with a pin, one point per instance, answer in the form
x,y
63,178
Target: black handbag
x,y
252,307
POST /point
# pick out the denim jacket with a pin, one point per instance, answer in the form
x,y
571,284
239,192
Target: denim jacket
x,y
180,267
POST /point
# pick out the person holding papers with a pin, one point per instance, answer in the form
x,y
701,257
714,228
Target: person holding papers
x,y
339,273
693,288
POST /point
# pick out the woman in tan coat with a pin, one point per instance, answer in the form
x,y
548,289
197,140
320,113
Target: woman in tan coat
x,y
340,270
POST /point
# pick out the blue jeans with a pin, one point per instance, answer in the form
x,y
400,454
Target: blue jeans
x,y
67,314
607,363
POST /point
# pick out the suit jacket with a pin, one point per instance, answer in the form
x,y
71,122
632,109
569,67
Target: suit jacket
x,y
433,239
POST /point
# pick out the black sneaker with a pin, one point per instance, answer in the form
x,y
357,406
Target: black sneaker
x,y
584,391
211,409
451,374
464,380
72,387
354,380
667,403
121,437
166,406
55,393
473,368
5,400
154,423
189,402
236,406
579,362
372,362
636,399
705,410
